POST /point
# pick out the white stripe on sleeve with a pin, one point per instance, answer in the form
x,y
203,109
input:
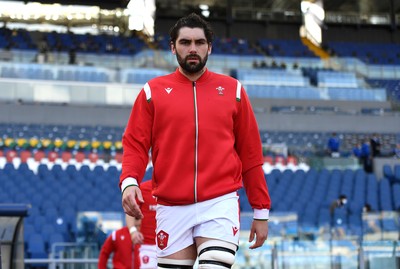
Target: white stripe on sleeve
x,y
147,91
238,90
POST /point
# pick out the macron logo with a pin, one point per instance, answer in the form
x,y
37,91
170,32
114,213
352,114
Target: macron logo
x,y
235,230
168,90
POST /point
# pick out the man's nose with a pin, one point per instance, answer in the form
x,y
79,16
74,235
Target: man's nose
x,y
193,47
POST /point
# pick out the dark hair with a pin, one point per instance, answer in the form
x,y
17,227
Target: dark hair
x,y
192,21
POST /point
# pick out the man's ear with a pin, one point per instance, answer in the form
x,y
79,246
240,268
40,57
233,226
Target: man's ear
x,y
173,50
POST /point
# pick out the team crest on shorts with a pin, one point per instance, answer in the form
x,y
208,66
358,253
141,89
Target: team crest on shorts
x,y
145,259
162,239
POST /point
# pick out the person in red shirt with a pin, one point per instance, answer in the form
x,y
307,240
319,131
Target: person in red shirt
x,y
134,242
119,243
143,230
205,146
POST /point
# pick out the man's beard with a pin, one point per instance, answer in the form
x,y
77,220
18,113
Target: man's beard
x,y
192,68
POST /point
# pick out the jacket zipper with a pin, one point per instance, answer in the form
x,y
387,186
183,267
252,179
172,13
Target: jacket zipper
x,y
196,141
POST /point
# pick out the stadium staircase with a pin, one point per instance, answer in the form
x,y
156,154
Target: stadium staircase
x,y
320,52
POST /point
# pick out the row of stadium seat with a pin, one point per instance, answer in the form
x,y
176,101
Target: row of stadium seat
x,y
310,195
373,53
281,84
100,138
57,192
66,156
391,85
94,74
314,93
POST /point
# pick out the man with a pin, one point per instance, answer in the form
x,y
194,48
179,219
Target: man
x,y
334,145
339,202
375,143
366,156
134,246
143,230
337,220
119,244
205,144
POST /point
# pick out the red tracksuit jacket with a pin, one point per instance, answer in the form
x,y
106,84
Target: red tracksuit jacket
x,y
120,244
148,226
203,136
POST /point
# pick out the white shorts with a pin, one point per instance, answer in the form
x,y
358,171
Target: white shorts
x,y
148,257
177,226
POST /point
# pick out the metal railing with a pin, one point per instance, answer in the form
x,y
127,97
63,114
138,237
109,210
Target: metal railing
x,y
69,256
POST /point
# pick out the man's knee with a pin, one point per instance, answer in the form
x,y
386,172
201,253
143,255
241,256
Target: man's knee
x,y
164,263
216,254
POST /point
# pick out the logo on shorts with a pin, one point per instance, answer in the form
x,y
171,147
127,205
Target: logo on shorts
x,y
145,259
162,239
235,230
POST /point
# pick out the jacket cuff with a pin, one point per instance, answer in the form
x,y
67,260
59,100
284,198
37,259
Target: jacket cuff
x,y
129,181
261,214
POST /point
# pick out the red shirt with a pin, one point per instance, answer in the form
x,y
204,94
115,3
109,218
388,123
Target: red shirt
x,y
204,139
120,244
148,226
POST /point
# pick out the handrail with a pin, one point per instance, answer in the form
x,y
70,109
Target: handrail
x,y
56,260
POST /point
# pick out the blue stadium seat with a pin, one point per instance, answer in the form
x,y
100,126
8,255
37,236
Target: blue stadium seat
x,y
396,196
56,238
372,192
5,197
29,229
385,195
388,172
325,218
46,204
51,214
38,222
397,173
36,248
71,170
355,219
310,216
390,225
46,230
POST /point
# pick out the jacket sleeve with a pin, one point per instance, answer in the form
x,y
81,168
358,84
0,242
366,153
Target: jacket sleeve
x,y
249,148
136,139
105,252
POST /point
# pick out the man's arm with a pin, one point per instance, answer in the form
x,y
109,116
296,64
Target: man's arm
x,y
249,148
105,253
134,225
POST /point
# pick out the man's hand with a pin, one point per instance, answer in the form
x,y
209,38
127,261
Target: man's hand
x,y
137,238
131,207
259,231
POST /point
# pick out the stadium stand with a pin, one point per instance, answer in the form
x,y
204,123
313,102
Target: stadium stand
x,y
307,193
379,53
392,87
68,166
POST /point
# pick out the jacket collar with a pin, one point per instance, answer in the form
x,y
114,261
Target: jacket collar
x,y
180,77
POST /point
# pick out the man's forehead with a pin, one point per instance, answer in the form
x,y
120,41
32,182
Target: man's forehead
x,y
191,33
